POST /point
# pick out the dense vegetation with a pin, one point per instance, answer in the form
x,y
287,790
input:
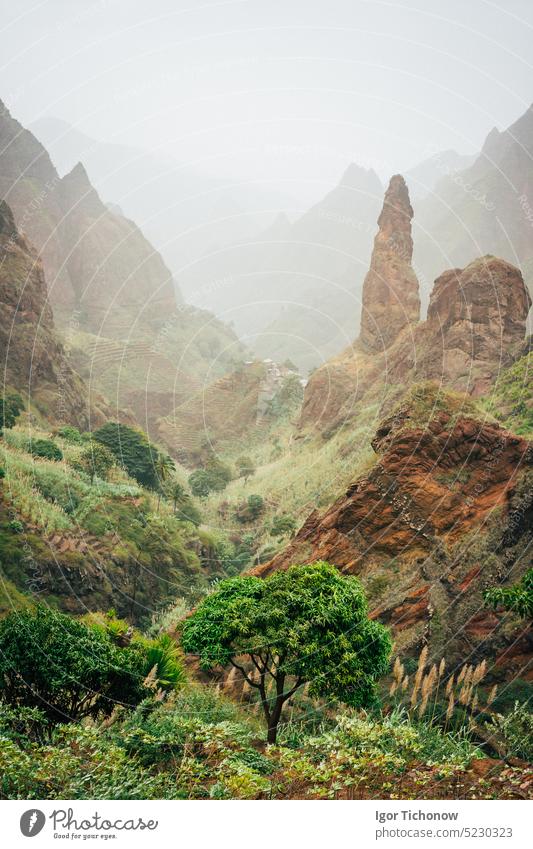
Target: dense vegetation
x,y
70,670
188,740
57,515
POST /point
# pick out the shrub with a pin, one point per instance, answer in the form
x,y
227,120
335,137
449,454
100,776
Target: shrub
x,y
518,598
162,664
251,509
45,448
516,728
283,525
70,434
10,408
245,467
53,662
203,483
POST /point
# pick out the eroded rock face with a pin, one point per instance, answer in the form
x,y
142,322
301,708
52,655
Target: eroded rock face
x,y
476,319
475,328
391,300
32,358
419,523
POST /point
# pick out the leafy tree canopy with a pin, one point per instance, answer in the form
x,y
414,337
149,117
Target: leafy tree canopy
x,y
200,483
214,477
306,624
220,473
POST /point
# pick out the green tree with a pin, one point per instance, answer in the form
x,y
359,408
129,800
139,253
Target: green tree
x,y
219,472
284,525
308,624
56,663
200,483
214,477
11,407
132,451
518,597
96,461
245,468
177,494
184,507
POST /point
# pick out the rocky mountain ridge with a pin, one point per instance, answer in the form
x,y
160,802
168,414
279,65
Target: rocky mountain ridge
x,y
113,297
475,327
33,358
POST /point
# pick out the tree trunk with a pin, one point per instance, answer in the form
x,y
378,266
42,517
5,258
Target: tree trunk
x,y
272,734
274,719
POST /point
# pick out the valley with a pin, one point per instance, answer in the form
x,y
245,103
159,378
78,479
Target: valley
x,y
325,481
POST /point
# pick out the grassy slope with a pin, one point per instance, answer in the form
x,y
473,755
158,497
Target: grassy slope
x,y
512,398
97,545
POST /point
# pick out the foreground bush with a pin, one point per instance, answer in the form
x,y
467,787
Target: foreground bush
x,y
69,670
198,744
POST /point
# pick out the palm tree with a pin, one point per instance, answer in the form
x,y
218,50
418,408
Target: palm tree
x,y
179,495
163,467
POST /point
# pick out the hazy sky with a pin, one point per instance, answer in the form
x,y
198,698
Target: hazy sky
x,y
278,90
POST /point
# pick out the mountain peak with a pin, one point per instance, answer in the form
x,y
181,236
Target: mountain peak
x,y
78,191
357,177
78,175
391,298
491,141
